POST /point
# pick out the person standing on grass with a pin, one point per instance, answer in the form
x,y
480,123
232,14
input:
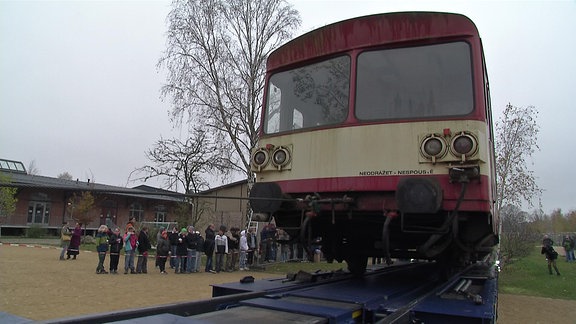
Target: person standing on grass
x,y
243,251
252,245
181,251
191,242
116,244
101,248
130,241
65,237
199,251
144,246
75,240
162,251
568,245
551,255
173,239
209,246
221,243
233,238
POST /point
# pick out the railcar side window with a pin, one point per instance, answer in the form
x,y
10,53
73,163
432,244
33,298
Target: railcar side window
x,y
415,82
310,96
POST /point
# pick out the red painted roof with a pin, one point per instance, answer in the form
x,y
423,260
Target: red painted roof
x,y
370,31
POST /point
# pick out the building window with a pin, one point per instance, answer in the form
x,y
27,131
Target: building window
x,y
136,211
160,213
38,212
39,209
108,212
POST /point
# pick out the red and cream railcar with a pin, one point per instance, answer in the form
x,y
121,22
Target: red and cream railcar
x,y
376,136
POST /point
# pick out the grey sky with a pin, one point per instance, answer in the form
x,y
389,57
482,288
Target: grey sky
x,y
79,87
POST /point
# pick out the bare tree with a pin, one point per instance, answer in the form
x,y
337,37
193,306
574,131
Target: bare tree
x,y
64,175
33,168
517,236
215,60
517,139
183,165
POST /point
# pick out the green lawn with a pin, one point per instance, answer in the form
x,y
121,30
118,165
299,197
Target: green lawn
x,y
529,276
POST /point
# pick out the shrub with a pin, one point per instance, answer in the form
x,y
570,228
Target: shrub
x,y
88,239
36,231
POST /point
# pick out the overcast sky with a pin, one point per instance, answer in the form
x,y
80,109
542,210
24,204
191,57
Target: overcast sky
x,y
80,91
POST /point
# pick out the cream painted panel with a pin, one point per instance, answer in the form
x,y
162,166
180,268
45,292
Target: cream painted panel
x,y
346,152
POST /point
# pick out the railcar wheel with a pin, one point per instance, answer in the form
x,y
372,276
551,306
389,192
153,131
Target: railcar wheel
x,y
357,264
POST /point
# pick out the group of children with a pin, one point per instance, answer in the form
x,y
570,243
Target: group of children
x,y
183,248
130,242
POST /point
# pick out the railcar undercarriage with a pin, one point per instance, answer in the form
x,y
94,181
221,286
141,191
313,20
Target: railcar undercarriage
x,y
349,231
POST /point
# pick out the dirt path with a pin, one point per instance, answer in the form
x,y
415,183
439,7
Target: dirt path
x,y
35,285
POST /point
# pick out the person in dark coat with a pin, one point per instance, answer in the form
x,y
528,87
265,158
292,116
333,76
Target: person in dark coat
x,y
181,252
144,246
191,242
162,251
209,247
74,247
116,244
252,245
173,239
551,255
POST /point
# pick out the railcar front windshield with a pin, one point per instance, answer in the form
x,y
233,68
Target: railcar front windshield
x,y
309,96
415,82
396,83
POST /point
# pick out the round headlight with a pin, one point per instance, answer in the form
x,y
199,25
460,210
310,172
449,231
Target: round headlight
x,y
464,144
260,158
280,157
433,147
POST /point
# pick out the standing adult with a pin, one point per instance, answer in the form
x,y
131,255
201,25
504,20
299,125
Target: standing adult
x,y
191,242
173,239
551,255
243,251
181,251
221,243
65,237
233,238
283,239
144,246
199,251
568,245
209,245
75,240
252,245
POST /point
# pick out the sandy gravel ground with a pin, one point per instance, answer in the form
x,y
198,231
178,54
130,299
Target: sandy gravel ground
x,y
35,285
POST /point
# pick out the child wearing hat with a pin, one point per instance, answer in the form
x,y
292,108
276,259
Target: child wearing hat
x,y
162,249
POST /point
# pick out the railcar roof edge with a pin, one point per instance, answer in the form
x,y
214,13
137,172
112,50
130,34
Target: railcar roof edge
x,y
369,31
